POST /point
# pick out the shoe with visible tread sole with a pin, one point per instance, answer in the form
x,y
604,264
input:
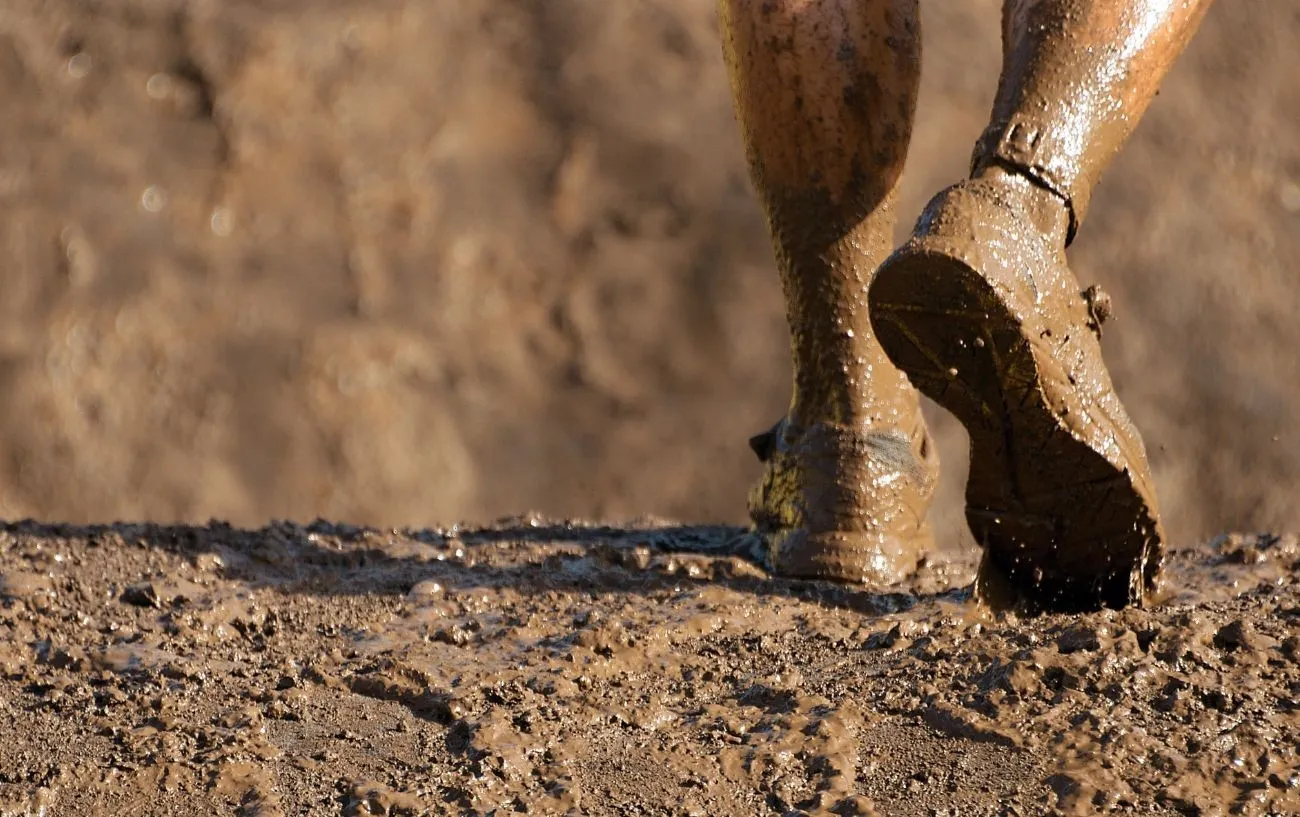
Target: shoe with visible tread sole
x,y
983,314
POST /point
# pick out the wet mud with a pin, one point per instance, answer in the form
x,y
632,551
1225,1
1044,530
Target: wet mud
x,y
548,668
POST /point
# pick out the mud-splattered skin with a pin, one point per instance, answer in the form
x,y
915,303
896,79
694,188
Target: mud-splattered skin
x,y
1077,75
980,309
825,93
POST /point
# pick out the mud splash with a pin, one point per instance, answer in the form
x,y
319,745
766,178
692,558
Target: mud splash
x,y
576,669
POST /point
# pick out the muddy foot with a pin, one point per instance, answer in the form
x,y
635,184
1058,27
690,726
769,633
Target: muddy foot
x,y
845,505
982,313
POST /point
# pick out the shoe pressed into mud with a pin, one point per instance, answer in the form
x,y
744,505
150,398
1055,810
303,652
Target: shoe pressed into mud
x,y
842,504
982,313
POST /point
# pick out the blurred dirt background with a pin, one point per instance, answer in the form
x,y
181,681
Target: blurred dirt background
x,y
414,262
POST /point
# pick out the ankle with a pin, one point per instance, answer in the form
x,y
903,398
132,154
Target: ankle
x,y
1047,209
884,407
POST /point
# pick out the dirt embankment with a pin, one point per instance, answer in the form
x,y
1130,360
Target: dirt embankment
x,y
406,262
559,669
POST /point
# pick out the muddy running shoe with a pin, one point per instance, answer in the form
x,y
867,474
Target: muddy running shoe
x,y
982,313
845,505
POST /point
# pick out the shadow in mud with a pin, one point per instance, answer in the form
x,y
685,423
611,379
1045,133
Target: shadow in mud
x,y
330,559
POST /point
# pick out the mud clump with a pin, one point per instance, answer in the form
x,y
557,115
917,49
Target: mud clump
x,y
578,669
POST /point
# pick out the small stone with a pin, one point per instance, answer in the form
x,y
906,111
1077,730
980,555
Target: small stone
x,y
454,635
900,635
1078,638
67,659
1234,635
141,595
1063,785
855,805
1291,648
279,710
1288,783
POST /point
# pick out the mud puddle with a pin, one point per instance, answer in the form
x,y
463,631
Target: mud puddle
x,y
649,669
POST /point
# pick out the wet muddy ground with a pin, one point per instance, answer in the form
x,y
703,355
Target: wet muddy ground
x,y
649,669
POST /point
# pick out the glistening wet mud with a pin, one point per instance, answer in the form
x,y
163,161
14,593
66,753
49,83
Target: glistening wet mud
x,y
649,669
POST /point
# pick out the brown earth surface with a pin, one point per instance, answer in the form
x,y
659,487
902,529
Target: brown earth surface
x,y
561,669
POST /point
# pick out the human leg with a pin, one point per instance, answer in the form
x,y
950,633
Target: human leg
x,y
1077,75
825,91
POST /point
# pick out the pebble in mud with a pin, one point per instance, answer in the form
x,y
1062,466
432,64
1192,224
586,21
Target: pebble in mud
x,y
143,594
318,683
1234,635
1291,647
371,799
1078,638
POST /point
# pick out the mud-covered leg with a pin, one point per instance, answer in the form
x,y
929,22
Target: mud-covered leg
x,y
825,91
983,313
1077,75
